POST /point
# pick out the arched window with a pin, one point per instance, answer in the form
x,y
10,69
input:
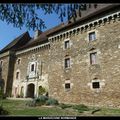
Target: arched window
x,y
18,61
18,74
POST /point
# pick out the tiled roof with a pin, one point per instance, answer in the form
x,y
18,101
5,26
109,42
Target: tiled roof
x,y
89,13
43,37
17,42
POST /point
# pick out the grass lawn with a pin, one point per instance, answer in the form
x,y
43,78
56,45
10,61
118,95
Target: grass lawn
x,y
18,107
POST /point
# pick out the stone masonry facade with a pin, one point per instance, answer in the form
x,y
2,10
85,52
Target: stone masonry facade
x,y
78,63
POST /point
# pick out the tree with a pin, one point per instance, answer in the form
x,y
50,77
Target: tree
x,y
26,13
42,90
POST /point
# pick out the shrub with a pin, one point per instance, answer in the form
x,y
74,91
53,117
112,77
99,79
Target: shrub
x,y
41,90
1,93
81,108
41,100
4,96
31,103
52,101
63,106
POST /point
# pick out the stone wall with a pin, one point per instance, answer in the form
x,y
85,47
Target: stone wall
x,y
41,78
81,73
50,71
4,72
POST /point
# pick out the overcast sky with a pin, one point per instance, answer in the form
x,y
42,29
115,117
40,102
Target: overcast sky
x,y
9,33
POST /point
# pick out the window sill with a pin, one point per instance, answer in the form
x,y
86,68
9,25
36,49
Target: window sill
x,y
96,90
97,65
67,90
67,69
94,64
93,40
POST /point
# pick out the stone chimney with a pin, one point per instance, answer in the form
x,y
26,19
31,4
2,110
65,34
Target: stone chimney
x,y
37,33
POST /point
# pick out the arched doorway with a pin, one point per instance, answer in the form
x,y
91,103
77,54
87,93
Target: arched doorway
x,y
30,90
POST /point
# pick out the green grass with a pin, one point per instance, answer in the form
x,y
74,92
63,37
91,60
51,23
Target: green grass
x,y
108,112
19,108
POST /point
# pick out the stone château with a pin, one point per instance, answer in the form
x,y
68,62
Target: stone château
x,y
76,62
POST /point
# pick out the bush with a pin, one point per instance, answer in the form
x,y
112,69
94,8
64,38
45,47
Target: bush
x,y
63,106
31,103
3,111
41,90
81,108
52,101
41,100
4,96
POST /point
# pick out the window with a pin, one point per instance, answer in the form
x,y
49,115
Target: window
x,y
67,44
17,75
92,36
67,85
95,85
32,67
67,62
18,61
93,58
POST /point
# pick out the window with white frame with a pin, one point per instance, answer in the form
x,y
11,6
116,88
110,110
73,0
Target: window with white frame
x,y
92,36
32,67
96,85
67,44
93,58
67,63
67,86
